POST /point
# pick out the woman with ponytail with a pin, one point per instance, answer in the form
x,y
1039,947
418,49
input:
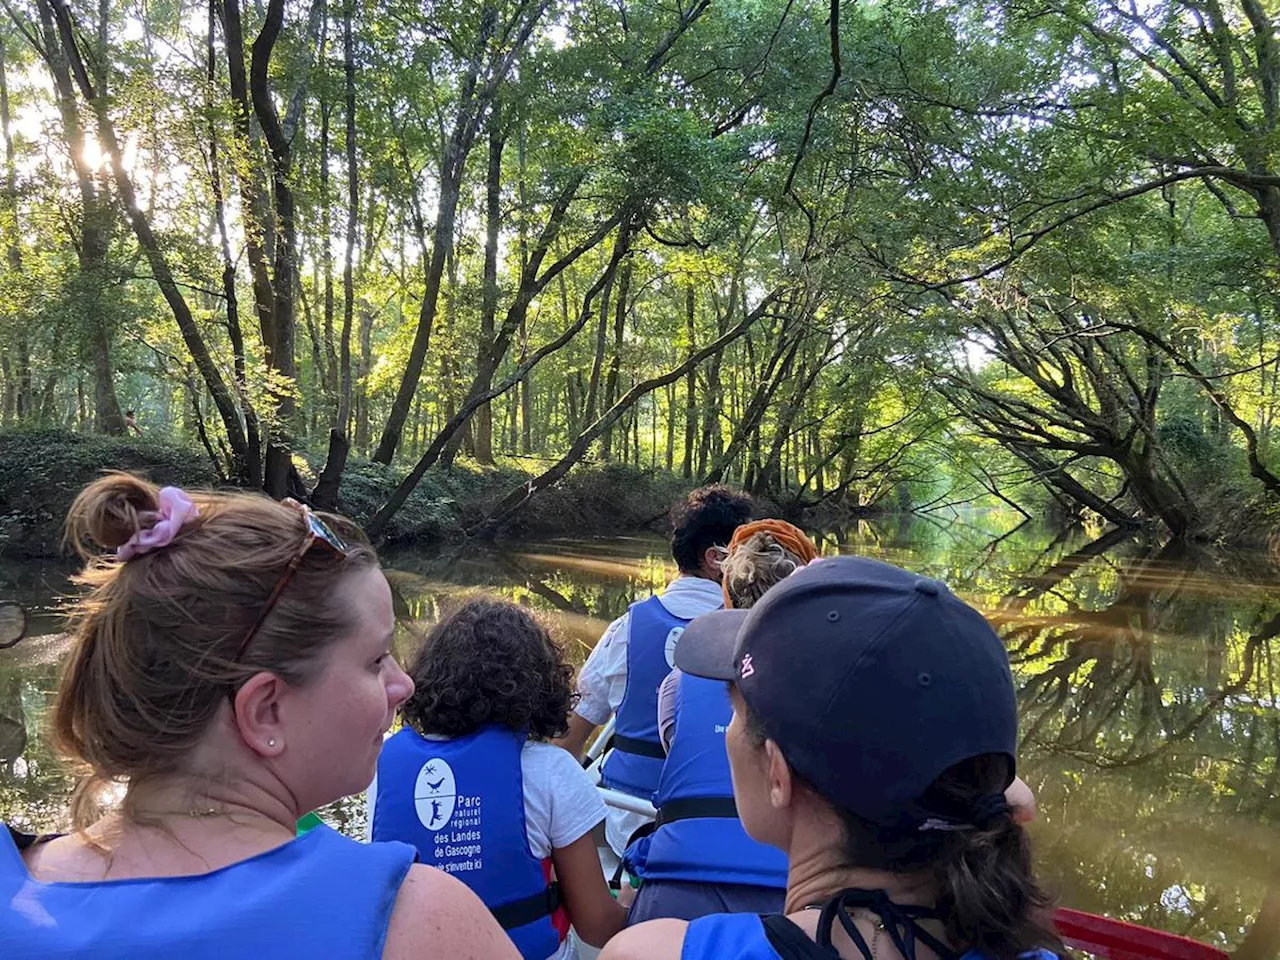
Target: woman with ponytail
x,y
873,739
230,671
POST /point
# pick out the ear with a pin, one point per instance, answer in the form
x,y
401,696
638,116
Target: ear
x,y
256,714
711,558
781,782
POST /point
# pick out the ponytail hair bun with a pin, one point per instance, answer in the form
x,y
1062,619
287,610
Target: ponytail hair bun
x,y
109,511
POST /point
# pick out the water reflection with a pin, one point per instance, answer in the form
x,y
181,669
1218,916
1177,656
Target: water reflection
x,y
1146,674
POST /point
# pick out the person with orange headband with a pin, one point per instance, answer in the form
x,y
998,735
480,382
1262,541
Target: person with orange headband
x,y
698,860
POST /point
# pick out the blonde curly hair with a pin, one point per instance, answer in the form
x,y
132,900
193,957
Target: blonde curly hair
x,y
759,555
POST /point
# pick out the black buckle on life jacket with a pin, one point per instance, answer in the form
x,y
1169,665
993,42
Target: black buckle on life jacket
x,y
641,748
692,808
517,913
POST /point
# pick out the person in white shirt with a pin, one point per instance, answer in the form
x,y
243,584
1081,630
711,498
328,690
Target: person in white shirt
x,y
474,784
636,653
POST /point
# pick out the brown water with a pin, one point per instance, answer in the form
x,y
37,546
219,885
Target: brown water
x,y
1147,676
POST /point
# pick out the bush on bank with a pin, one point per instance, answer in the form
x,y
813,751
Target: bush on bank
x,y
41,471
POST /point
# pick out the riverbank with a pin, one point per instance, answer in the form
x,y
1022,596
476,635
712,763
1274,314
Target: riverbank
x,y
41,472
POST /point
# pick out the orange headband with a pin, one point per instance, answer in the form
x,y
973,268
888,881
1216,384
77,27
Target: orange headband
x,y
788,536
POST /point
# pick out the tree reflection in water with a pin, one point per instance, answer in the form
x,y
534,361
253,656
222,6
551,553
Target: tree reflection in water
x,y
1146,675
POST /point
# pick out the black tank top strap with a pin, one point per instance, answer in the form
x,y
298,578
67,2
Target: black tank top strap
x,y
899,922
792,943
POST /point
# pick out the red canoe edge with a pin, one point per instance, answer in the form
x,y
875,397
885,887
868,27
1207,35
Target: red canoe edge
x,y
1118,940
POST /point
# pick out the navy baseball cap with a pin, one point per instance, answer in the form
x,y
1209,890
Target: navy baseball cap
x,y
872,680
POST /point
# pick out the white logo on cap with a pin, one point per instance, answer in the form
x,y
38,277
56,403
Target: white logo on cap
x,y
747,669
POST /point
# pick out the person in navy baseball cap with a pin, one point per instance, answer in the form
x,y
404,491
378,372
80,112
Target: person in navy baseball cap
x,y
873,737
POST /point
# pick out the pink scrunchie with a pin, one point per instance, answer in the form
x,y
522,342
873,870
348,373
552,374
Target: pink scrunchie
x,y
175,510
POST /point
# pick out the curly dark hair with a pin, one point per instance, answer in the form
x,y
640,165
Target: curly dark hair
x,y
490,662
704,519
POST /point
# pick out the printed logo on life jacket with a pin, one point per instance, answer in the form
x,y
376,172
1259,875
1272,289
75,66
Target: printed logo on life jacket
x,y
672,638
435,793
747,668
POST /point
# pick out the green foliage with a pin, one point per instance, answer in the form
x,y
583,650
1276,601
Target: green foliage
x,y
975,164
41,471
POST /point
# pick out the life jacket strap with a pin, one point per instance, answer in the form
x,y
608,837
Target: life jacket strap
x,y
517,913
642,748
692,808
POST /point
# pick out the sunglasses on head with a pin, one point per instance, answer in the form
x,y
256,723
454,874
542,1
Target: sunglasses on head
x,y
317,532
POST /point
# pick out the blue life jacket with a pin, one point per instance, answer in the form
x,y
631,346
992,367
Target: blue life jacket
x,y
461,803
635,764
723,935
699,836
742,936
319,896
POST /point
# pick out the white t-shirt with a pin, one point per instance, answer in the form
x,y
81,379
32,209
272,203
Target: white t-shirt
x,y
603,679
560,806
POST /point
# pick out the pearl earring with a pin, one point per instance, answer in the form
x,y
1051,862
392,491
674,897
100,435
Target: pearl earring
x,y
271,742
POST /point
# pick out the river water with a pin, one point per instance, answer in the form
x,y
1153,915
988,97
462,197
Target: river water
x,y
1147,679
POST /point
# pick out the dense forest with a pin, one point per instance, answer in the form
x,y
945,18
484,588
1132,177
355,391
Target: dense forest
x,y
889,253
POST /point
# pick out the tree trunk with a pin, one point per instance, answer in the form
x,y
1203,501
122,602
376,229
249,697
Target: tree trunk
x,y
671,427
533,282
326,259
7,399
597,362
615,361
325,494
342,423
473,103
690,386
747,428
16,401
24,405
478,394
107,417
150,244
1057,477
449,376
517,498
526,394
489,305
95,229
364,436
526,385
1154,494
47,412
252,473
279,348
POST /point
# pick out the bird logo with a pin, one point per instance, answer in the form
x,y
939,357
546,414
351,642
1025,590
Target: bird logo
x,y
435,794
669,647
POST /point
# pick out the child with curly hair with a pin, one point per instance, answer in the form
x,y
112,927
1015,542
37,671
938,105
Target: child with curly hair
x,y
474,784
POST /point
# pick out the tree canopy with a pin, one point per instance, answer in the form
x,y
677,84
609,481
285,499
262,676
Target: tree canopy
x,y
888,253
